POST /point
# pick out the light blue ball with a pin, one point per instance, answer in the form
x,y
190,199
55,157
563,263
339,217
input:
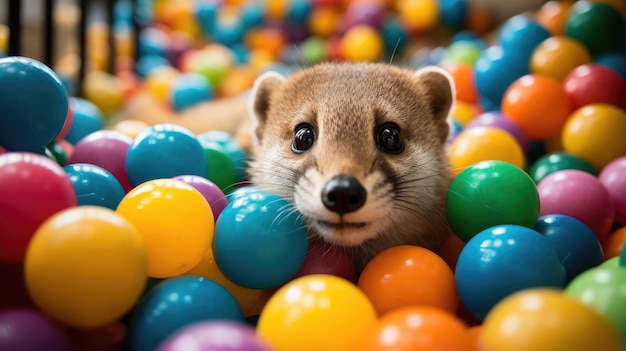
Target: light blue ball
x,y
87,119
577,246
164,151
34,104
260,241
453,12
502,260
495,70
520,35
614,60
94,185
175,303
238,157
190,89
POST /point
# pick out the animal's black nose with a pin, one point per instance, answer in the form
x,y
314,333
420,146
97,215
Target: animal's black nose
x,y
343,194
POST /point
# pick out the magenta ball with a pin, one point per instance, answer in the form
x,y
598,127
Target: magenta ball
x,y
211,192
106,149
580,195
214,336
32,188
323,258
498,120
28,330
613,177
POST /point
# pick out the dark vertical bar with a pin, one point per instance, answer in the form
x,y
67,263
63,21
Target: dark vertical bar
x,y
48,33
15,26
111,37
82,37
136,28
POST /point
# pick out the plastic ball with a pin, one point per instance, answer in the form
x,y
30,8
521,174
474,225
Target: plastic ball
x,y
603,289
407,275
35,104
592,84
364,12
521,35
324,258
323,20
502,260
463,51
260,241
33,188
599,27
94,186
130,127
613,177
67,125
188,90
538,104
463,76
483,144
394,34
558,161
418,328
104,90
613,60
163,209
453,12
580,195
179,153
613,245
158,83
174,304
498,120
77,252
29,330
153,41
552,16
464,112
546,320
214,336
577,246
362,43
211,192
109,336
324,303
221,167
87,119
595,134
557,56
212,61
491,193
418,15
494,71
236,154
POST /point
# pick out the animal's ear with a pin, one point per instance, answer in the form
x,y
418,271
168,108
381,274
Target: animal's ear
x,y
441,92
262,90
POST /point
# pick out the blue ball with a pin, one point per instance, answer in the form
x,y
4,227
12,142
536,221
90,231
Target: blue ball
x,y
241,192
253,14
495,70
614,60
206,14
34,104
94,185
502,260
87,119
153,41
394,35
175,303
238,157
577,246
164,151
260,241
190,89
453,12
148,63
520,35
299,11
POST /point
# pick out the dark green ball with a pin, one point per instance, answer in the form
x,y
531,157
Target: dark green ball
x,y
600,27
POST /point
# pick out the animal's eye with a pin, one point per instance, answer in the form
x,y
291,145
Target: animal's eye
x,y
303,138
388,139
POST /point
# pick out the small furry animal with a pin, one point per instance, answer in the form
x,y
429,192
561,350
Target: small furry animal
x,y
358,148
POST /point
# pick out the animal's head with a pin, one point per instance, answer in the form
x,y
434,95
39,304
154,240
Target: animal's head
x,y
358,148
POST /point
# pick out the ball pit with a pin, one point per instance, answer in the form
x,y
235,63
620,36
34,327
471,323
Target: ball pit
x,y
229,43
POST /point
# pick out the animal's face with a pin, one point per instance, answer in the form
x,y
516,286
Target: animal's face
x,y
358,149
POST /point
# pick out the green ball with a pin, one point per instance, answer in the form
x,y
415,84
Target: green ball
x,y
314,50
622,258
463,51
221,169
558,161
58,152
603,289
491,193
611,263
600,27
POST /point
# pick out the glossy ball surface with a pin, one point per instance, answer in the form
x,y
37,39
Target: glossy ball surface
x,y
595,84
94,186
29,330
600,27
214,336
613,177
557,161
557,56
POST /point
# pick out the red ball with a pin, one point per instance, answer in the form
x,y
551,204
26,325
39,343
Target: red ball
x,y
323,258
593,83
33,188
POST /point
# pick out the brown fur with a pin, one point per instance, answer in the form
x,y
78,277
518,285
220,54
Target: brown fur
x,y
345,102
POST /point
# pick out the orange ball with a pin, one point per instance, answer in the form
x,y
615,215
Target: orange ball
x,y
552,16
538,104
463,76
614,243
418,15
237,81
409,275
269,39
418,328
323,21
362,43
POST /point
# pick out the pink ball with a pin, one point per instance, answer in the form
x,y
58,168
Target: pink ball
x,y
214,336
593,83
613,177
580,195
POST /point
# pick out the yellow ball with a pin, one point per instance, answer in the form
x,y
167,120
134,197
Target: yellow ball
x,y
175,221
544,319
482,144
361,43
419,15
595,133
159,82
464,112
316,312
557,56
105,91
130,127
247,298
86,266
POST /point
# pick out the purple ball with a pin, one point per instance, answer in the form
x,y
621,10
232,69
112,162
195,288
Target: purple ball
x,y
211,192
214,336
613,177
498,120
370,13
27,330
107,149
